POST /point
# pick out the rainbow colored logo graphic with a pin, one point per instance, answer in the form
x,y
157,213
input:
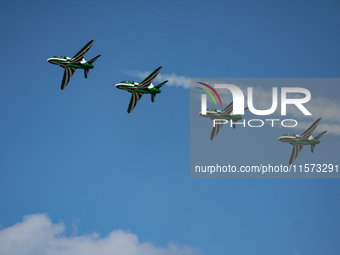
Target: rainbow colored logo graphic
x,y
209,93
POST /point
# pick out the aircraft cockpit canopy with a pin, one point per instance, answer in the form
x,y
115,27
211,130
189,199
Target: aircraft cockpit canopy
x,y
60,57
131,82
288,134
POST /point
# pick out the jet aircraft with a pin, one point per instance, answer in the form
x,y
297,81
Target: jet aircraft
x,y
225,114
71,64
298,141
139,89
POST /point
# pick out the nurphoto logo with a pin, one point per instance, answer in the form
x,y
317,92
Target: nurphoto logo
x,y
238,99
237,107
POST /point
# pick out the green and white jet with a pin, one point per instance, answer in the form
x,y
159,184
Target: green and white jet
x,y
139,89
71,64
298,141
224,116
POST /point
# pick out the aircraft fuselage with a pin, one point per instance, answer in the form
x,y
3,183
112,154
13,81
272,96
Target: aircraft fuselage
x,y
132,86
216,115
65,61
295,139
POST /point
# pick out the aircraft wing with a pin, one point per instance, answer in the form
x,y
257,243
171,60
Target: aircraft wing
x,y
297,148
215,131
147,81
310,130
134,100
80,55
227,111
67,76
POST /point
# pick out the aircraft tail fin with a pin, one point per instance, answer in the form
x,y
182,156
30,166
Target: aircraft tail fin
x,y
86,71
153,96
161,84
319,135
94,59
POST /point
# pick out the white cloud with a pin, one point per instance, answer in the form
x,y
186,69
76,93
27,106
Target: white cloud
x,y
174,79
37,235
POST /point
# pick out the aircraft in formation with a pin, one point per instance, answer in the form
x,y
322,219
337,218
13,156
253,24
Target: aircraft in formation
x,y
139,89
298,141
74,63
223,115
146,87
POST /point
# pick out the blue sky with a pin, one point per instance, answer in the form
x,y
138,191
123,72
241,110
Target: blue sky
x,y
74,163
